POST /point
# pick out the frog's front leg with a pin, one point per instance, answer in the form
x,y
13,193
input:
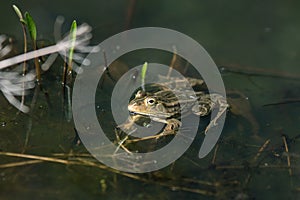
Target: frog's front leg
x,y
130,121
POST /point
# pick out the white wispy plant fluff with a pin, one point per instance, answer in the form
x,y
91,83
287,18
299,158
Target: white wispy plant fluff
x,y
4,49
13,84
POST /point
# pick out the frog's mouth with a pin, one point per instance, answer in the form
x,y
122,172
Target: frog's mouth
x,y
138,113
133,113
161,116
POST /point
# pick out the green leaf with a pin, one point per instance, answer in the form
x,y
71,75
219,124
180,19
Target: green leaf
x,y
143,74
73,32
31,26
144,70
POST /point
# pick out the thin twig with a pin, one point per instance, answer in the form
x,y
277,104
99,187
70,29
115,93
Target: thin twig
x,y
263,166
172,62
43,158
285,101
288,156
213,161
17,164
261,149
150,137
254,71
84,162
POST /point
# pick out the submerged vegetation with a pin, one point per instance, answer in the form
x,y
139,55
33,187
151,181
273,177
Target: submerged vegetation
x,y
77,39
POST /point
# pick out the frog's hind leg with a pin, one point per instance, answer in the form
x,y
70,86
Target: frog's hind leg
x,y
207,103
220,103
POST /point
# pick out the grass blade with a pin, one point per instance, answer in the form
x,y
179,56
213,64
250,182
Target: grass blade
x,y
143,74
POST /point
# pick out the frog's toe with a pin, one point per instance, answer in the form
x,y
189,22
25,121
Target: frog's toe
x,y
201,110
173,125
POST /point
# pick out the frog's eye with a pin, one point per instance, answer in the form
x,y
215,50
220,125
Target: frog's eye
x,y
150,101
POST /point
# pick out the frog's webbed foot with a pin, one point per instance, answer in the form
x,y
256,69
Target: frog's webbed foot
x,y
207,103
220,103
172,126
204,106
202,109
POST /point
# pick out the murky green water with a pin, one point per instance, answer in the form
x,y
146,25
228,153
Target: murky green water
x,y
256,42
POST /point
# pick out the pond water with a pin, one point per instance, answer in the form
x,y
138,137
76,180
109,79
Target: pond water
x,y
255,44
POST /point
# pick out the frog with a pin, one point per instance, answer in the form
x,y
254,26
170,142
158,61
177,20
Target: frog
x,y
163,106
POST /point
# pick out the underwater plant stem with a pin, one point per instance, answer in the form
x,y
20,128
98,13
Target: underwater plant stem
x,y
23,25
66,91
24,63
37,65
25,47
129,13
65,72
174,58
67,105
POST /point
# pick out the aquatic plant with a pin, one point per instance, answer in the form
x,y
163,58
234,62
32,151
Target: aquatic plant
x,y
13,84
71,48
83,37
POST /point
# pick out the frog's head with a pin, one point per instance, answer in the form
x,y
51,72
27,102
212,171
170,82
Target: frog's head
x,y
148,104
